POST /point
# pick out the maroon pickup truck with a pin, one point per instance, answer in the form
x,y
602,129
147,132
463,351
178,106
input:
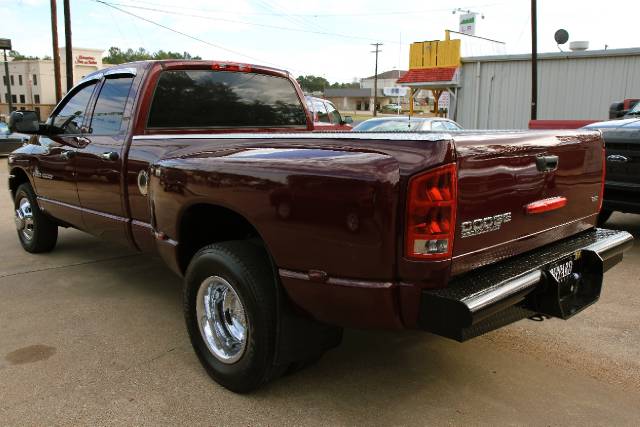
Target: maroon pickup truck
x,y
284,235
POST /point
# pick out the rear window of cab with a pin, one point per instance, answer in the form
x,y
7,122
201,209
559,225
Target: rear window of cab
x,y
216,99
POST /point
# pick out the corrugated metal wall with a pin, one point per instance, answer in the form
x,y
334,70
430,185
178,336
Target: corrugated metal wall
x,y
569,87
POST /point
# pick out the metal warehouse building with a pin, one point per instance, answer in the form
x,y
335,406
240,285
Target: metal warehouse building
x,y
495,91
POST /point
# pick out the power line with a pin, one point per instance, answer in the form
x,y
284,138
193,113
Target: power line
x,y
183,34
316,15
233,21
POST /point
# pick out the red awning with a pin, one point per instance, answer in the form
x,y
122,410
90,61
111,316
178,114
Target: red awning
x,y
428,75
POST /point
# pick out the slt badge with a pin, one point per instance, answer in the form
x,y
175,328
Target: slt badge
x,y
484,225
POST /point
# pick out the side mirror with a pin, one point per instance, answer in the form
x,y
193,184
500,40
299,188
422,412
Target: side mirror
x,y
24,121
347,120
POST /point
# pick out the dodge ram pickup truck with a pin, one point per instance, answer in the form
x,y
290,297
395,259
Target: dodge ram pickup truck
x,y
284,235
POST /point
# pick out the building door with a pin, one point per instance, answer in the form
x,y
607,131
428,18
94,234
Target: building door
x,y
54,173
99,162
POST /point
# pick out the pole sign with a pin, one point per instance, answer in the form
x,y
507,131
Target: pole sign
x,y
5,44
468,24
395,91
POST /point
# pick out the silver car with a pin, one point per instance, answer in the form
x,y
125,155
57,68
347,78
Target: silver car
x,y
406,124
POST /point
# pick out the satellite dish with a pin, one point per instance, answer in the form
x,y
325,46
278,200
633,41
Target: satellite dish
x,y
561,36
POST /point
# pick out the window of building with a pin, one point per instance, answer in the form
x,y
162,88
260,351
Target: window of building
x,y
204,99
36,99
22,99
107,115
4,80
35,80
12,81
14,98
20,79
69,118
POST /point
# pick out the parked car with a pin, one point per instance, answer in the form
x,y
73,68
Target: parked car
x,y
10,141
391,108
622,144
284,235
326,116
407,124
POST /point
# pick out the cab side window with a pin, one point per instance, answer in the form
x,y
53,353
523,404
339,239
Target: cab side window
x,y
70,117
321,112
109,109
333,113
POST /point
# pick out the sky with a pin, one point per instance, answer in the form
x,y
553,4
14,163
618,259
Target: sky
x,y
330,38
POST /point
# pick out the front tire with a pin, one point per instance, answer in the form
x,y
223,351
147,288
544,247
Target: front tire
x,y
230,311
36,231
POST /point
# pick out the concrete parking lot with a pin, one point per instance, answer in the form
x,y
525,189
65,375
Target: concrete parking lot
x,y
94,334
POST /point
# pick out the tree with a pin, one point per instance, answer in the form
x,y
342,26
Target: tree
x,y
352,85
312,83
119,56
19,57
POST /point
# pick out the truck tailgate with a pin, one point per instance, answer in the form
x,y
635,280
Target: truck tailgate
x,y
520,190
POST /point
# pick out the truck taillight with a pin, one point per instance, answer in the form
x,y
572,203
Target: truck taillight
x,y
431,214
231,66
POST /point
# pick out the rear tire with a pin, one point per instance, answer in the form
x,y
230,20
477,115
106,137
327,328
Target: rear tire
x,y
36,231
231,314
604,217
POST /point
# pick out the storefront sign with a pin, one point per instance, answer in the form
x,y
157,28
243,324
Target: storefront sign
x,y
86,60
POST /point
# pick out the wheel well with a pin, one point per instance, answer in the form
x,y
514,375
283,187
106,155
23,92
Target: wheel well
x,y
16,179
204,224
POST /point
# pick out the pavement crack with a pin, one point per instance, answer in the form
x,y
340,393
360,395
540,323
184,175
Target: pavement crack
x,y
2,276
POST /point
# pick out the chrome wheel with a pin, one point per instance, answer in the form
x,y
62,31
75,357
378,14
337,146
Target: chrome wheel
x,y
24,219
221,319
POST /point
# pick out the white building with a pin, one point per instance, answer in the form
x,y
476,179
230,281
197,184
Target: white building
x,y
33,84
361,99
495,91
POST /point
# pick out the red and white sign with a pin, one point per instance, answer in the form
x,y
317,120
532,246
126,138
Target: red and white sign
x,y
86,60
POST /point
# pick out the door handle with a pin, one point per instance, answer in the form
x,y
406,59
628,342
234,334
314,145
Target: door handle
x,y
68,154
617,158
547,163
111,156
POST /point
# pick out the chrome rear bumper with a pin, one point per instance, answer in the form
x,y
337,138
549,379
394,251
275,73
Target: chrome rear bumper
x,y
497,295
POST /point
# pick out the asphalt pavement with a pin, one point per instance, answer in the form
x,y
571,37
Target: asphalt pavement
x,y
93,334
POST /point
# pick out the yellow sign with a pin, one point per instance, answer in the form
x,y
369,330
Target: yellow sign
x,y
433,54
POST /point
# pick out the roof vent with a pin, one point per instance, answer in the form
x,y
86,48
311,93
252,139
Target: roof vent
x,y
579,45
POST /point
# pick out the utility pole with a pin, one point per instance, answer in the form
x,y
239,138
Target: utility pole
x,y
56,53
375,79
534,61
67,42
5,44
